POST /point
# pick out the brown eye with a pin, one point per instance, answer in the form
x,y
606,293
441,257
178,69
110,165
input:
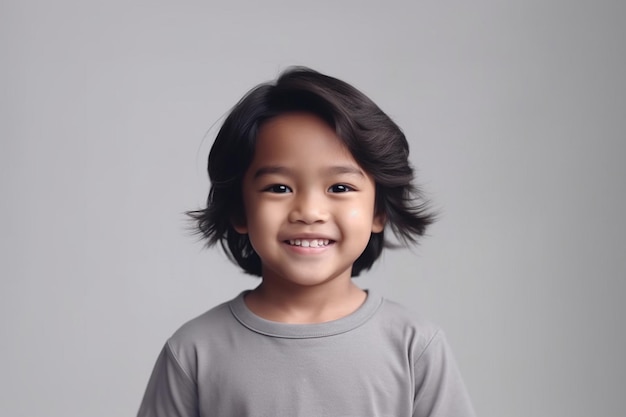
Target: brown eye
x,y
278,189
340,188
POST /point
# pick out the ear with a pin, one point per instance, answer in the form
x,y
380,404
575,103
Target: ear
x,y
378,223
239,225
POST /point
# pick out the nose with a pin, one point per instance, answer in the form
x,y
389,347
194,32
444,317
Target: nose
x,y
308,208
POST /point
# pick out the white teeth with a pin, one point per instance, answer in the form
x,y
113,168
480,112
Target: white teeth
x,y
313,243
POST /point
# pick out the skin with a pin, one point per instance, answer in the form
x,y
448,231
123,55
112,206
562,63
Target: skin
x,y
303,184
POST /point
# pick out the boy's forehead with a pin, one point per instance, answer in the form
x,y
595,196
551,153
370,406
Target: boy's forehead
x,y
298,132
296,141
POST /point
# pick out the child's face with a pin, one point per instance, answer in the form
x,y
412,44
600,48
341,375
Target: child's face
x,y
309,207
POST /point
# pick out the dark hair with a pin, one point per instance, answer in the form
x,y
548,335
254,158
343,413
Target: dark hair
x,y
373,139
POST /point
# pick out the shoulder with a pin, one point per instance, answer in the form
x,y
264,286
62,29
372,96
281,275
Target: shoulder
x,y
203,325
200,336
404,319
403,325
437,382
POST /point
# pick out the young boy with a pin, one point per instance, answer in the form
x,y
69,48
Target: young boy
x,y
306,174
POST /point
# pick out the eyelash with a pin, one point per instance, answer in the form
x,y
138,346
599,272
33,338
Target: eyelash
x,y
282,189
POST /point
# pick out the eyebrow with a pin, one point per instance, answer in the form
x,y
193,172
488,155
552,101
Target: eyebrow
x,y
271,170
333,170
345,169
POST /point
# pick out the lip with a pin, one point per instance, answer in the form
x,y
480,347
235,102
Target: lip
x,y
308,236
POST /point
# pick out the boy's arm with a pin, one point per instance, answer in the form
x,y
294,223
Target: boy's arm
x,y
439,388
170,392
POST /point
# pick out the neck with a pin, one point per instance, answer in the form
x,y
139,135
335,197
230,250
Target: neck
x,y
302,305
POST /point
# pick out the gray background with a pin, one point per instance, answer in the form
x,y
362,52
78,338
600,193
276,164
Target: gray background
x,y
516,116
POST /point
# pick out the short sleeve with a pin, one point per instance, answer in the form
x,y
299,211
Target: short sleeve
x,y
170,392
439,389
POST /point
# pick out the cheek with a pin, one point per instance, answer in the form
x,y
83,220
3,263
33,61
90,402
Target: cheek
x,y
263,217
360,210
358,218
354,214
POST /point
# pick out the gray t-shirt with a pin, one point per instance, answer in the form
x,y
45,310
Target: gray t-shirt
x,y
378,361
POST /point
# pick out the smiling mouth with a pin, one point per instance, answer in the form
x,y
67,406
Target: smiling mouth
x,y
309,243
